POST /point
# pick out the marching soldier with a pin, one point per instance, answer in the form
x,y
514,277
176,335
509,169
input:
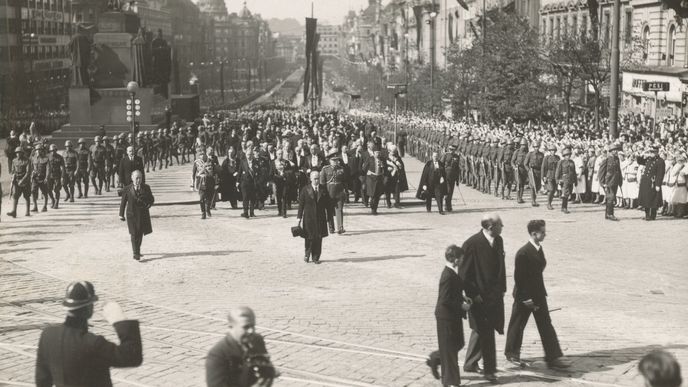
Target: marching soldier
x,y
21,181
507,170
39,178
610,178
56,167
566,175
533,163
205,177
98,161
549,167
520,173
83,165
109,163
71,159
452,167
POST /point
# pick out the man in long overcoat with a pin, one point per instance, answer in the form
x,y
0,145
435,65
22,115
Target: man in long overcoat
x,y
610,178
433,181
375,168
129,164
137,199
314,202
484,276
650,188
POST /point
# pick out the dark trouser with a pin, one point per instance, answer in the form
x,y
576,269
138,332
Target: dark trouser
x,y
449,338
610,196
313,247
451,185
566,189
206,199
402,149
519,318
438,198
68,184
482,345
136,240
18,192
249,200
54,187
534,186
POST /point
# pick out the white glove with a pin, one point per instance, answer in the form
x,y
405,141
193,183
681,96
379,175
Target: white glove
x,y
425,187
113,313
441,180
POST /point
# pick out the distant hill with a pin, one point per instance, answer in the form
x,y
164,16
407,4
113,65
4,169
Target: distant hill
x,y
286,26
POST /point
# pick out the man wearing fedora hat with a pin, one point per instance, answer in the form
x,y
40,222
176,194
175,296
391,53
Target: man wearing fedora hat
x,y
610,178
70,355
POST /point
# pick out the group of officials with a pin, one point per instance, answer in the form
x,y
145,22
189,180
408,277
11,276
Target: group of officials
x,y
474,281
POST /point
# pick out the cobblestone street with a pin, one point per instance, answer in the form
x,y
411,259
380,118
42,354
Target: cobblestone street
x,y
365,316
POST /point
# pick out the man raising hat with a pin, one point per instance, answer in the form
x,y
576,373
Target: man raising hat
x,y
69,355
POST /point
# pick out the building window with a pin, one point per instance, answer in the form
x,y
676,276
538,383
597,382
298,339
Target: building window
x,y
574,25
628,33
544,26
607,26
646,43
565,26
584,25
671,46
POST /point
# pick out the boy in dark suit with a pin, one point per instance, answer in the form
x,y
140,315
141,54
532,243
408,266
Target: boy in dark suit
x,y
449,311
530,296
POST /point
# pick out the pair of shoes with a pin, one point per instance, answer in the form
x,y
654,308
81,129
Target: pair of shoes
x,y
611,217
516,360
441,212
203,215
244,215
559,363
137,257
520,201
253,214
549,207
535,205
331,230
565,210
340,231
306,259
316,261
434,363
476,370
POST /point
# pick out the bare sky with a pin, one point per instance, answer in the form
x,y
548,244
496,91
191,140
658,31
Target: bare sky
x,y
327,11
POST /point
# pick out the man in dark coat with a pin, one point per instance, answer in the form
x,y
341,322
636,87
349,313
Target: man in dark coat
x,y
530,296
375,168
433,181
650,187
610,178
484,277
137,199
357,159
533,164
69,355
226,363
452,165
449,311
249,170
129,164
314,203
548,169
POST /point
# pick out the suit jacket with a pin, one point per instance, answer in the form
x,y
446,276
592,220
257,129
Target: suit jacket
x,y
431,179
249,174
126,167
450,297
69,355
528,280
314,211
137,205
483,273
224,365
308,163
610,172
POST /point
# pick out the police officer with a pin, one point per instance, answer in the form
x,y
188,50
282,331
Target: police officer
x,y
56,167
21,181
98,161
452,167
71,159
39,178
520,172
83,165
565,174
610,179
549,167
533,163
69,355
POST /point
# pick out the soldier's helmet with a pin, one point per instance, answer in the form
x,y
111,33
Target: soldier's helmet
x,y
140,134
537,143
122,136
38,146
566,152
553,147
78,295
524,141
106,138
18,150
159,131
96,139
81,141
53,147
509,141
68,143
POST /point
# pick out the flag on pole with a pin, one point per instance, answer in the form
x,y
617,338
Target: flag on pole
x,y
311,45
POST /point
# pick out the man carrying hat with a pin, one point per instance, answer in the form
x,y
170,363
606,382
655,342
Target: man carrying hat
x,y
70,355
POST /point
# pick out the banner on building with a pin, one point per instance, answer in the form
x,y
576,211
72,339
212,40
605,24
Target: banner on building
x,y
311,45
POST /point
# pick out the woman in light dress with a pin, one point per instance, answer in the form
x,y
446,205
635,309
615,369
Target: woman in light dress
x,y
667,208
596,188
677,183
579,163
630,185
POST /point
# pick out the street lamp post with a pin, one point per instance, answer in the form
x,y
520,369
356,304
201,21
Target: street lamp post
x,y
614,83
133,109
433,15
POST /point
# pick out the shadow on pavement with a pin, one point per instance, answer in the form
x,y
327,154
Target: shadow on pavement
x,y
10,251
366,232
220,253
35,232
372,259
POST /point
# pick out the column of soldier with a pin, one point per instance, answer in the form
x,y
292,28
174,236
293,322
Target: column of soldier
x,y
37,166
638,171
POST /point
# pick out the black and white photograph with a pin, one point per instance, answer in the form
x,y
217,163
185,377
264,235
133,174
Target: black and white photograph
x,y
343,193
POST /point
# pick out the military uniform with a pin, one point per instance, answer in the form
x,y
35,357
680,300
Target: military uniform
x,y
21,181
109,165
333,177
520,172
39,179
533,163
83,165
507,169
56,165
206,176
71,160
98,165
549,166
566,175
452,167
